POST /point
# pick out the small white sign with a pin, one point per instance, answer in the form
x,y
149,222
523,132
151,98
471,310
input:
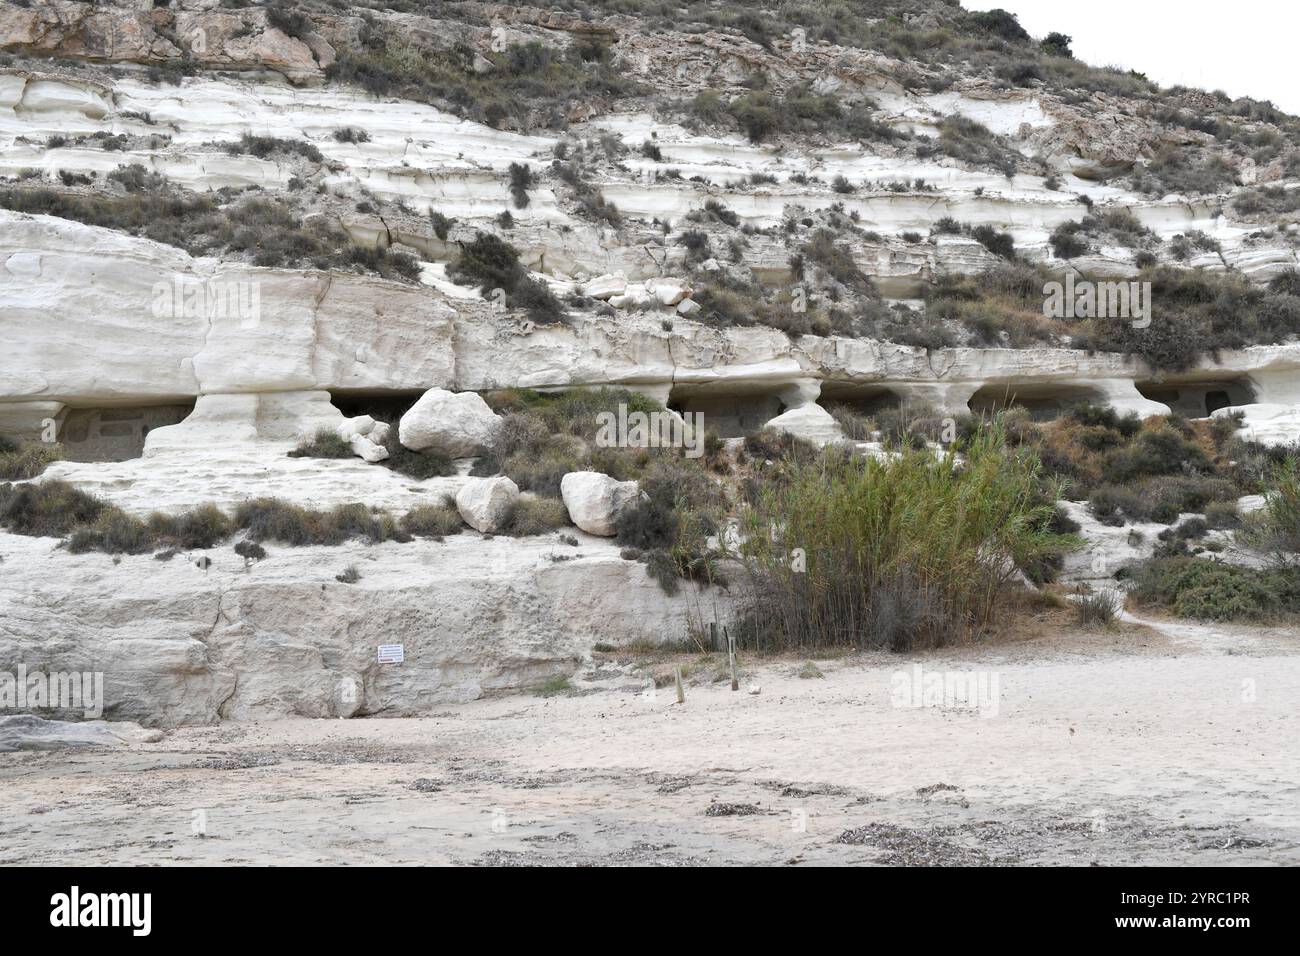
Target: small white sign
x,y
391,654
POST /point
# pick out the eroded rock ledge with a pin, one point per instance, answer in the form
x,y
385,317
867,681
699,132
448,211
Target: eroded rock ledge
x,y
78,311
182,644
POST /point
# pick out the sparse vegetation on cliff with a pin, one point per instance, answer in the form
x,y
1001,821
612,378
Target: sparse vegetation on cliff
x,y
22,460
523,85
267,230
491,264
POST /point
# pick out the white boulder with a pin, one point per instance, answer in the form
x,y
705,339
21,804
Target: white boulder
x,y
595,501
1268,424
457,424
28,732
485,504
603,287
810,422
365,436
687,307
667,291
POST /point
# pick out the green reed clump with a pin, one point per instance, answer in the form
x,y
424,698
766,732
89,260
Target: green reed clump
x,y
903,551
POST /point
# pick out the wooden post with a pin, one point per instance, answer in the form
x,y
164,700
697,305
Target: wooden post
x,y
681,689
731,657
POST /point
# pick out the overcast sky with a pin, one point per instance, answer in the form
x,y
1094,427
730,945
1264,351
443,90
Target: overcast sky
x,y
1244,47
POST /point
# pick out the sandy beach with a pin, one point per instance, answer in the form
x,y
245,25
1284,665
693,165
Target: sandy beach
x,y
1156,743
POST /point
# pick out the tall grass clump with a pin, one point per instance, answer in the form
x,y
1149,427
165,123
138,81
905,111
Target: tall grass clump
x,y
900,552
20,461
1275,528
1099,608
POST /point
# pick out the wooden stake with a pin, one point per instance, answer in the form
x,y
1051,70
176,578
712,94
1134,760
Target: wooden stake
x,y
731,657
681,688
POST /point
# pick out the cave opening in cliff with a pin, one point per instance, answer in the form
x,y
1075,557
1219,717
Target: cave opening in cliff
x,y
865,400
1199,396
381,404
115,432
1043,401
729,409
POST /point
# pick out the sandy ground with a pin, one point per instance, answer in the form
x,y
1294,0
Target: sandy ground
x,y
1159,743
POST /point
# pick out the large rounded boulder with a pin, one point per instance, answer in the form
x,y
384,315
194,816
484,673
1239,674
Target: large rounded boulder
x,y
487,504
595,501
456,424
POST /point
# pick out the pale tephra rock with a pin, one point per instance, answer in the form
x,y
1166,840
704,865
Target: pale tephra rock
x,y
667,291
603,287
1268,424
486,504
28,732
595,501
810,422
366,437
457,424
179,646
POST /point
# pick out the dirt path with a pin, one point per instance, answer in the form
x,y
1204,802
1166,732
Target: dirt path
x,y
1171,745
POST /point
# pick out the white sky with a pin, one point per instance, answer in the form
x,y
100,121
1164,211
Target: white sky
x,y
1243,47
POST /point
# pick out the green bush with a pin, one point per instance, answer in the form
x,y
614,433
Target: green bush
x,y
418,465
972,142
56,509
1099,608
250,550
267,229
1276,527
351,134
48,509
533,516
521,180
326,443
1159,451
1212,590
1057,44
201,527
529,83
275,520
669,526
265,146
901,552
1223,515
489,262
1066,242
1000,23
269,519
838,263
1114,504
999,243
433,521
18,462
441,224
543,473
114,532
